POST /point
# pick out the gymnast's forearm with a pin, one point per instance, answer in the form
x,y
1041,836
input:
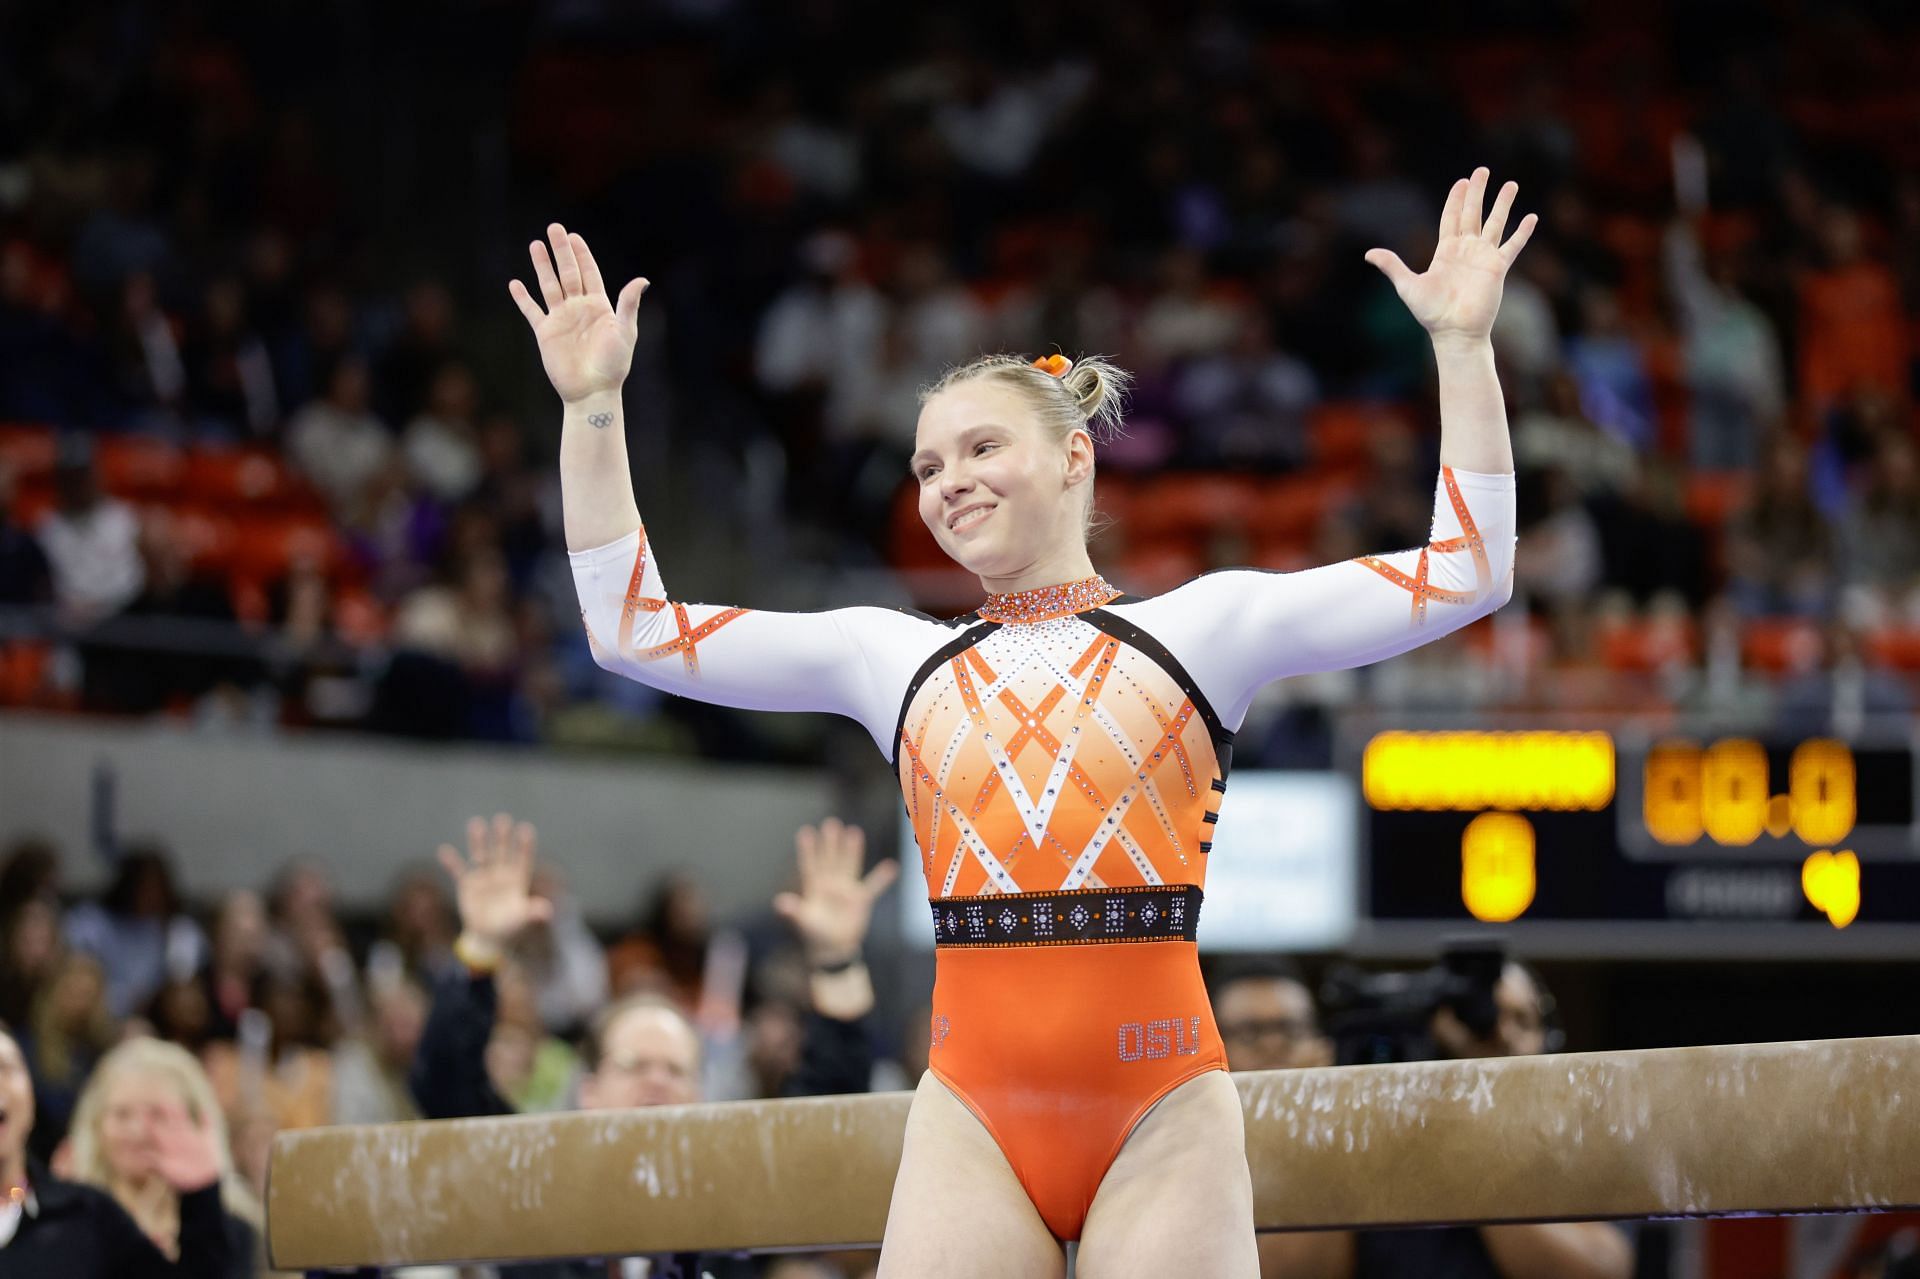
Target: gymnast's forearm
x,y
1559,1250
1473,411
596,488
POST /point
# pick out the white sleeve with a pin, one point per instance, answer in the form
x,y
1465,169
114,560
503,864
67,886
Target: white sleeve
x,y
851,661
1241,628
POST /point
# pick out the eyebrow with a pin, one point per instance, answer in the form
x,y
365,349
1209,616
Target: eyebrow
x,y
913,463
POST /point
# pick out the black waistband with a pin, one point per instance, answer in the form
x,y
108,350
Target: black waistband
x,y
1069,917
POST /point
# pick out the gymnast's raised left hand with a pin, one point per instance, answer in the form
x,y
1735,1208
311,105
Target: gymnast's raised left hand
x,y
834,906
1457,296
586,339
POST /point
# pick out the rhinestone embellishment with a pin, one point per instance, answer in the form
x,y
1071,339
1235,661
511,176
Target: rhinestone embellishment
x,y
1045,602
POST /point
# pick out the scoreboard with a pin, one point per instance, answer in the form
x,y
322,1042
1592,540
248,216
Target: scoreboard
x,y
1671,826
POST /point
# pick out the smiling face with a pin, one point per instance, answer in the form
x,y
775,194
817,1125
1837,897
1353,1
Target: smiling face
x,y
1002,497
134,1103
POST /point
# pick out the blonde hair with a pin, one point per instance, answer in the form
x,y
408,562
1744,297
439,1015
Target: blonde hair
x,y
1091,396
180,1069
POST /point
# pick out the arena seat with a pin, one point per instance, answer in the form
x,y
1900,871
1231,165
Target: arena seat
x,y
1779,645
139,466
1713,496
26,448
1895,647
246,477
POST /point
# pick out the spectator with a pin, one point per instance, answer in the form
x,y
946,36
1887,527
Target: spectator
x,y
668,952
68,1032
279,1071
114,1148
1852,328
1780,548
25,575
140,931
1610,364
1586,1249
641,1049
91,542
239,957
1559,434
1734,367
337,442
229,375
1267,1017
370,1069
29,952
1247,405
1879,538
442,444
55,1229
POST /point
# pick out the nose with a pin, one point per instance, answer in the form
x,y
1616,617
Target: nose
x,y
954,482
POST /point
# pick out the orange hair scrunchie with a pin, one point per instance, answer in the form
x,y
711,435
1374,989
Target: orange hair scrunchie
x,y
1055,365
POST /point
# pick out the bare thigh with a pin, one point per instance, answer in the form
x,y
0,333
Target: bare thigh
x,y
1178,1199
958,1212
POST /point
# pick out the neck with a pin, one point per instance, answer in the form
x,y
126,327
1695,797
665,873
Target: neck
x,y
146,1192
1067,566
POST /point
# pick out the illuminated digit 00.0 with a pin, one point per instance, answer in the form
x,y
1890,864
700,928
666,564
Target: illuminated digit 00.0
x,y
1821,780
1671,796
1733,790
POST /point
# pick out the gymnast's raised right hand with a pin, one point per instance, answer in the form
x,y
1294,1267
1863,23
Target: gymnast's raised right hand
x,y
586,341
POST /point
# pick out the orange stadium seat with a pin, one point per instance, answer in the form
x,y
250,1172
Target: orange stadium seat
x,y
1647,644
246,477
1779,645
1895,647
266,545
1290,509
209,536
1160,567
1191,505
1713,496
135,466
27,449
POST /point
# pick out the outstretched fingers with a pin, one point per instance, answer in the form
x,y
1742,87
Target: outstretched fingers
x,y
524,300
1450,213
1476,201
543,273
565,264
1497,220
1391,266
589,269
1518,240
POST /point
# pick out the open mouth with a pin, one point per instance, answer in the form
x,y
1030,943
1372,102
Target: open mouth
x,y
968,518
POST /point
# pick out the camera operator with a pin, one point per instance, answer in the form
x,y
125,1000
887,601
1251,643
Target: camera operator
x,y
1254,1005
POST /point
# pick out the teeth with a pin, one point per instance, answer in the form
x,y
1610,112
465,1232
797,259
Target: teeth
x,y
971,518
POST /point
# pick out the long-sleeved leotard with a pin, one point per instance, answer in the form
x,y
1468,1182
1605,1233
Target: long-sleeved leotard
x,y
1061,754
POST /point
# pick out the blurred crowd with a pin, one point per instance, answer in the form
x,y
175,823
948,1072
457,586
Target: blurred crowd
x,y
265,382
480,992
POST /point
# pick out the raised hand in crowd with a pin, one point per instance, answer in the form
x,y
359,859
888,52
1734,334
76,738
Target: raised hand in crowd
x,y
185,1148
834,907
493,887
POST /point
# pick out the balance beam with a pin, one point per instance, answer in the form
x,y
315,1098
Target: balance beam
x,y
1823,1126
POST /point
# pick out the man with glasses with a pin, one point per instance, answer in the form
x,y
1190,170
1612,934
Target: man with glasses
x,y
1268,1019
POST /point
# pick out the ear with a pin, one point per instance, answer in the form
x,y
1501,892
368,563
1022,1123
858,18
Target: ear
x,y
1079,457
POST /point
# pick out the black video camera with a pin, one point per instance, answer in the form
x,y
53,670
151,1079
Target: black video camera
x,y
1381,1017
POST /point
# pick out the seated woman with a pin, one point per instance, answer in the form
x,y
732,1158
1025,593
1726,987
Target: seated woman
x,y
50,1227
112,1146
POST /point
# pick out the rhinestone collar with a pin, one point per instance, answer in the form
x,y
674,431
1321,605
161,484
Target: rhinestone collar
x,y
1044,602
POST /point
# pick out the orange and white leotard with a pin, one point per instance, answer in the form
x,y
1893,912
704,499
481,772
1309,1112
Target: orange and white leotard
x,y
1062,755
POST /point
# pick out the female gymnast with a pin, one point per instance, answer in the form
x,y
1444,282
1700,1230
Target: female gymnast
x,y
1061,751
